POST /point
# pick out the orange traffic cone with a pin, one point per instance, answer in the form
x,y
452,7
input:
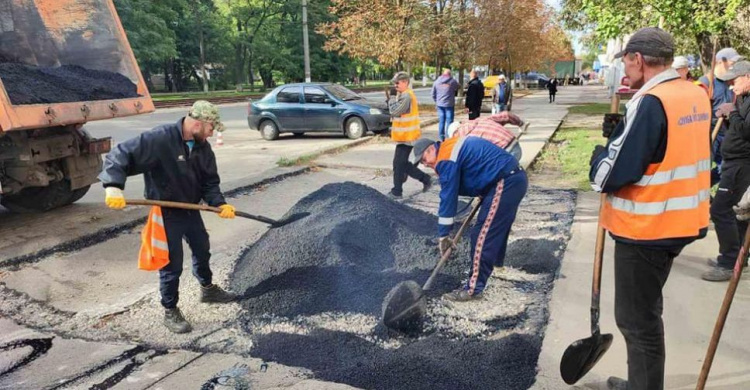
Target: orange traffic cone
x,y
219,139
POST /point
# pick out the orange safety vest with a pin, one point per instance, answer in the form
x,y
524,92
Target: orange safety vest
x,y
405,128
154,253
671,198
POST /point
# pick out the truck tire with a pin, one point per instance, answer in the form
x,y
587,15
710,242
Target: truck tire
x,y
41,199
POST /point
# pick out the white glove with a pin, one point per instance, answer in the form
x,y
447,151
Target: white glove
x,y
743,207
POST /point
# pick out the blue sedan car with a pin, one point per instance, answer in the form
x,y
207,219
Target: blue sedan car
x,y
316,107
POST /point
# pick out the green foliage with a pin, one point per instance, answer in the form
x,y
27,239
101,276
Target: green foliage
x,y
145,22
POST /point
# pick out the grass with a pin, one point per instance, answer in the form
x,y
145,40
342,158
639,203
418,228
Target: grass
x,y
591,109
301,160
165,97
570,149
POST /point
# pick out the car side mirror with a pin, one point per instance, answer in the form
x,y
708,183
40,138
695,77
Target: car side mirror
x,y
333,102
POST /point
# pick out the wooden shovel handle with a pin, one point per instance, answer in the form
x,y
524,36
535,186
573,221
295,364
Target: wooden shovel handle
x,y
715,132
596,283
174,205
723,312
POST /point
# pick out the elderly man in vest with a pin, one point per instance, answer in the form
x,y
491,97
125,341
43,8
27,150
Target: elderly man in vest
x,y
178,165
473,166
655,171
404,111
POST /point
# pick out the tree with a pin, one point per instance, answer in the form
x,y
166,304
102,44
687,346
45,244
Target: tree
x,y
705,22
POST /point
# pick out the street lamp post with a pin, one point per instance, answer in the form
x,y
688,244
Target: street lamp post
x,y
306,42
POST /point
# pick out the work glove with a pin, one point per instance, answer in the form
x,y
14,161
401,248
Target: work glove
x,y
742,209
114,198
725,109
227,211
610,123
598,149
444,244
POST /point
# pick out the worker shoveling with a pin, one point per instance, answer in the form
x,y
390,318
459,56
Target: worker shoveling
x,y
405,305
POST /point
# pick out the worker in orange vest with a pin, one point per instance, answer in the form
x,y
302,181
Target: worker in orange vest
x,y
655,171
404,111
178,164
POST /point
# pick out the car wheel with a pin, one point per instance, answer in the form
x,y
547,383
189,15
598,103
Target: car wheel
x,y
269,130
355,128
298,134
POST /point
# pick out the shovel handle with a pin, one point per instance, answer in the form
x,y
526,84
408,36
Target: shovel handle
x,y
174,205
598,259
715,132
454,241
723,312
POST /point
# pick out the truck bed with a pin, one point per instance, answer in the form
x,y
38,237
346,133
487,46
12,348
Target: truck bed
x,y
58,44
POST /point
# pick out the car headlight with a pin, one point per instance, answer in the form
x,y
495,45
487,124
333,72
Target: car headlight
x,y
375,111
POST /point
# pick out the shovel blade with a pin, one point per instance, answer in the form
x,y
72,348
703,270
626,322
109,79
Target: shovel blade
x,y
292,218
404,307
581,356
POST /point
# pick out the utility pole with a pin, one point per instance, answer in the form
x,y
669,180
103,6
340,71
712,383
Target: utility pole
x,y
306,42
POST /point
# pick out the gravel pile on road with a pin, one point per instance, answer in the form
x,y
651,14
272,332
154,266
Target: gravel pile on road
x,y
314,290
27,84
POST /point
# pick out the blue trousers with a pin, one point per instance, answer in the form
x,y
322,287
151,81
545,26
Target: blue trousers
x,y
181,224
489,236
500,108
445,118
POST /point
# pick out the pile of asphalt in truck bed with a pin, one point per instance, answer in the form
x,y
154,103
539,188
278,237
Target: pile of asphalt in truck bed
x,y
314,289
27,84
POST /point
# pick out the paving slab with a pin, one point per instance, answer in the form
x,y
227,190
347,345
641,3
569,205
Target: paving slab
x,y
690,309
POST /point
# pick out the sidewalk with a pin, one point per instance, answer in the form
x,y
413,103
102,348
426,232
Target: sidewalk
x,y
691,306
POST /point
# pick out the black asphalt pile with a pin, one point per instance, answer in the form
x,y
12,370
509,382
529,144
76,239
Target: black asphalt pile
x,y
68,83
314,291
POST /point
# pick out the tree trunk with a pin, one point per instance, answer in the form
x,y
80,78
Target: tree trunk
x,y
201,47
239,53
250,70
147,78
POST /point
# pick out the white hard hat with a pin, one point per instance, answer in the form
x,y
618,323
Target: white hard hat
x,y
680,62
452,128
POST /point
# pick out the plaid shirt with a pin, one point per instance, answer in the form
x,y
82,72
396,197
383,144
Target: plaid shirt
x,y
491,128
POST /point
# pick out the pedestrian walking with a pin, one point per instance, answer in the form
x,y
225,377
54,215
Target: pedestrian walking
x,y
474,96
725,58
501,95
735,174
178,165
473,166
552,88
654,171
492,128
444,95
405,129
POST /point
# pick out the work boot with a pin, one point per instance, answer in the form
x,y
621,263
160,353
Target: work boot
x,y
427,184
615,383
713,263
175,322
461,295
214,294
717,274
393,195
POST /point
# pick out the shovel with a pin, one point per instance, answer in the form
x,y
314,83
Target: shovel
x,y
723,312
582,355
202,207
404,306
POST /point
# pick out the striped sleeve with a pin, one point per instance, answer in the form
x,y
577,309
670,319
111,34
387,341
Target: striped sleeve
x,y
449,183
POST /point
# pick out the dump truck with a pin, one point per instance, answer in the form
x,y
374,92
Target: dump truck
x,y
63,63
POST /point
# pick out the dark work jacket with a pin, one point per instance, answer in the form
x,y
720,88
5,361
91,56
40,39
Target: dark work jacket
x,y
736,145
474,94
169,170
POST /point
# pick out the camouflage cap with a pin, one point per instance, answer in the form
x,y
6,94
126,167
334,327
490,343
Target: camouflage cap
x,y
205,111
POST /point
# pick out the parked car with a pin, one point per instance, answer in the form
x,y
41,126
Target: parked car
x,y
316,107
540,78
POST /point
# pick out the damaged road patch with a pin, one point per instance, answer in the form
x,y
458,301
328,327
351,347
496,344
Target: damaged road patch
x,y
313,292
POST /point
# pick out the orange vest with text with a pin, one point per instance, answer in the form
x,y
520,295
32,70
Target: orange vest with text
x,y
671,200
405,128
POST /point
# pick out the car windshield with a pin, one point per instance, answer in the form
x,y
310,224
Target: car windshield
x,y
342,93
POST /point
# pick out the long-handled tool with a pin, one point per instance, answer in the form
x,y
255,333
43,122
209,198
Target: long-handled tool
x,y
723,312
583,354
715,132
404,306
202,207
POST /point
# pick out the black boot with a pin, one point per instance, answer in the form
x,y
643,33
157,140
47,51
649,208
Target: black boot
x,y
214,294
175,322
